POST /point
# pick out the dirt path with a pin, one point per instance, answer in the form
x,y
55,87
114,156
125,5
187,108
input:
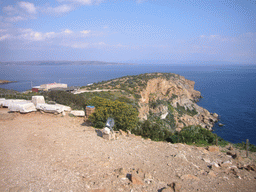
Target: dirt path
x,y
45,152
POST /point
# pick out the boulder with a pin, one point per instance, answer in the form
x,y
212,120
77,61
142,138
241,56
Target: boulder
x,y
121,173
136,180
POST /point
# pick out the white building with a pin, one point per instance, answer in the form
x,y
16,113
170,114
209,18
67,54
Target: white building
x,y
53,85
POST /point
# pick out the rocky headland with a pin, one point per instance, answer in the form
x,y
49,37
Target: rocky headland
x,y
165,96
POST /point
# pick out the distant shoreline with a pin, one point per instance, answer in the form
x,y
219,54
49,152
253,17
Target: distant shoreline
x,y
62,63
6,81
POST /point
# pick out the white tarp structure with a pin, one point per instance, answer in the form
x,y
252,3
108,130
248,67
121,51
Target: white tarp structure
x,y
50,108
78,113
22,107
38,99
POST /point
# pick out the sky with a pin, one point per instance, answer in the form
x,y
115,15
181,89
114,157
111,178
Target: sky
x,y
160,31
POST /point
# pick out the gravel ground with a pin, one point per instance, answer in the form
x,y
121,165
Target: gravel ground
x,y
46,152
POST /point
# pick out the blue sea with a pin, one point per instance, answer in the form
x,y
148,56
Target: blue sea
x,y
228,90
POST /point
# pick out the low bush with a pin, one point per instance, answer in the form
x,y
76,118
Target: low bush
x,y
153,131
196,135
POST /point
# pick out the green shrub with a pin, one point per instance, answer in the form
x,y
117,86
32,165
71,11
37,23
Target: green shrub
x,y
196,135
154,131
181,110
65,98
125,116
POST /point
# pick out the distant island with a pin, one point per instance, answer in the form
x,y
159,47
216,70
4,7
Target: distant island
x,y
62,63
6,81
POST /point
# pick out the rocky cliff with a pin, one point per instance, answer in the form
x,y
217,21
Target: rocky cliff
x,y
177,96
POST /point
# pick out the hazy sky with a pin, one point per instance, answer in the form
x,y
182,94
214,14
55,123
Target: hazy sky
x,y
128,30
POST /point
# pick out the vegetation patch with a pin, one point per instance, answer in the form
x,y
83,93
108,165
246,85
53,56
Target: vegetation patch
x,y
65,98
125,115
181,110
196,135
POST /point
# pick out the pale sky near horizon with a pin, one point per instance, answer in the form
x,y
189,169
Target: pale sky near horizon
x,y
128,30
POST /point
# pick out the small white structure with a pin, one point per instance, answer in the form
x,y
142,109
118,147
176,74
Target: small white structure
x,y
78,113
38,99
22,107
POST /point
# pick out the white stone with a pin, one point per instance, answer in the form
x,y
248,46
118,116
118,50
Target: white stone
x,y
49,108
106,131
64,107
78,113
38,99
8,102
22,107
163,116
2,101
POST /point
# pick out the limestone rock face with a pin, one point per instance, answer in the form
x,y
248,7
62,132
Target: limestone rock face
x,y
180,93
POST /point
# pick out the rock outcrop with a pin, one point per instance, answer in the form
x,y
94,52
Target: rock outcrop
x,y
177,96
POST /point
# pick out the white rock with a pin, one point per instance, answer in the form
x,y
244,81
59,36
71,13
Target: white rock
x,y
2,101
8,102
214,164
22,107
206,160
78,113
106,131
38,99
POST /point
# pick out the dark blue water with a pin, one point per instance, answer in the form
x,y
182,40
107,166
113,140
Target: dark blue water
x,y
228,90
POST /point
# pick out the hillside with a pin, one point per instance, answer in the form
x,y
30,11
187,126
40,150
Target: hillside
x,y
46,152
166,98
